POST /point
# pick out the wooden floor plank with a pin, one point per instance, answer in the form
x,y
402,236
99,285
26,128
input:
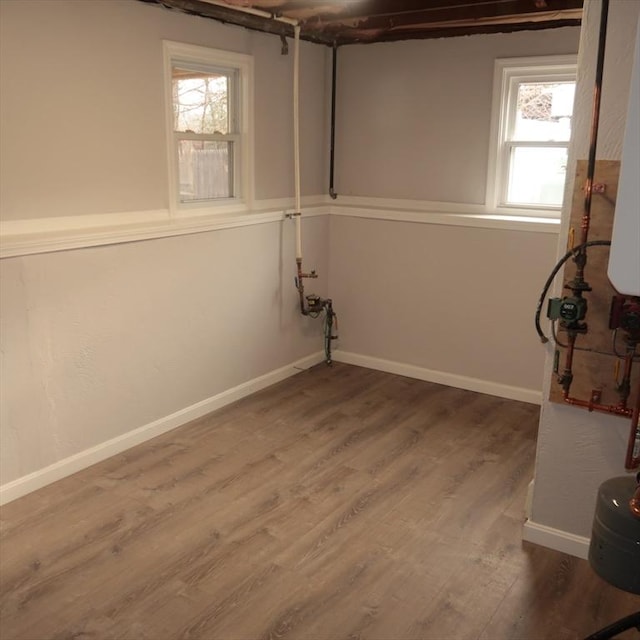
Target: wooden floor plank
x,y
341,503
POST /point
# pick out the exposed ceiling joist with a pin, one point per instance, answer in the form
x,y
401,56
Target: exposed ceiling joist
x,y
362,21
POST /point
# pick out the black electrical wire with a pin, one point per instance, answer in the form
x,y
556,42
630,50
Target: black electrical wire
x,y
558,342
570,254
614,348
554,335
630,622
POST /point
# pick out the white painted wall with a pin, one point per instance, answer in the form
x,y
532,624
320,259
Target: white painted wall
x,y
82,120
624,257
454,300
413,124
414,116
100,341
578,450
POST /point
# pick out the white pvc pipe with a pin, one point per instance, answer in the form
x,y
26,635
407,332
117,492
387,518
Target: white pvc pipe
x,y
253,12
296,139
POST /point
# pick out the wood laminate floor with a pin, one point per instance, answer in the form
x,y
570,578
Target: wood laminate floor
x,y
342,503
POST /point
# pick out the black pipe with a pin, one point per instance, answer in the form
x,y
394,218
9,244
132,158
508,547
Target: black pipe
x,y
330,318
332,193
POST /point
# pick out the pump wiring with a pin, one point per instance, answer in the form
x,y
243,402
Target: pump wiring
x,y
558,342
570,254
614,348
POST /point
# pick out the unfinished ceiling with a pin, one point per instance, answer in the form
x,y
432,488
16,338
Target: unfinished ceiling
x,y
362,21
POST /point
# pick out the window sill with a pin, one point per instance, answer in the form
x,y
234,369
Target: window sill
x,y
446,213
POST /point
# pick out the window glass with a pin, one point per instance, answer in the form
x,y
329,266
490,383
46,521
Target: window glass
x,y
200,101
537,176
206,169
543,111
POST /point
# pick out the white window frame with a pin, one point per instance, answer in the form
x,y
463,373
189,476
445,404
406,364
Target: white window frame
x,y
240,66
508,73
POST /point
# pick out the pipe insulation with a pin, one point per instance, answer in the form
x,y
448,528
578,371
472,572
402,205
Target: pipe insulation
x,y
296,139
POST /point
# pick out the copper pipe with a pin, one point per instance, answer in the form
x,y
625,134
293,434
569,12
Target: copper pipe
x,y
581,259
567,375
634,503
300,286
578,284
596,406
625,385
632,461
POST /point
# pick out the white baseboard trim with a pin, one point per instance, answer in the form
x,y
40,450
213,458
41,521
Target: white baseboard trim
x,y
68,466
556,539
440,377
528,505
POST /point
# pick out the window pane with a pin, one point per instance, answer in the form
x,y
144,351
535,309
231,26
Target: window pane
x,y
200,101
537,175
206,170
543,111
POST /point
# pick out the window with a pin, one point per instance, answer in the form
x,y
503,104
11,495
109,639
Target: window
x,y
208,121
531,128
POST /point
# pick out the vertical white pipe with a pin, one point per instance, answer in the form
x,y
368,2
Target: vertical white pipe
x,y
296,138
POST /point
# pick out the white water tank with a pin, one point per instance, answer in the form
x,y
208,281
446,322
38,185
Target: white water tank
x,y
624,261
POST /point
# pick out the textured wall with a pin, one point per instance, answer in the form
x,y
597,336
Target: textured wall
x,y
413,118
457,300
578,450
97,342
413,123
100,341
82,118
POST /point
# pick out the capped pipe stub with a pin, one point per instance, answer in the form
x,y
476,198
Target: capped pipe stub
x,y
614,552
